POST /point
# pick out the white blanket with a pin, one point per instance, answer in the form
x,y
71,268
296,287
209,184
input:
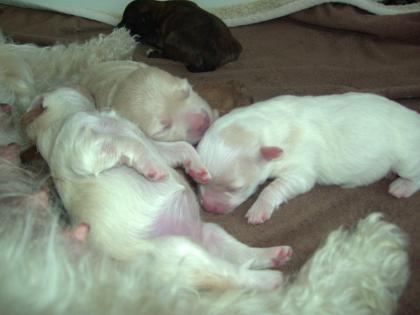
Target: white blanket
x,y
232,12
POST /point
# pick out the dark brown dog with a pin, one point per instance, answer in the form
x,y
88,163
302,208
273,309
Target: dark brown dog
x,y
182,31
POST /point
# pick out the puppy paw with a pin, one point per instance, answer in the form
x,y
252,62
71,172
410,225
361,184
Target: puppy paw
x,y
257,214
402,188
197,171
263,279
281,255
150,170
272,257
154,173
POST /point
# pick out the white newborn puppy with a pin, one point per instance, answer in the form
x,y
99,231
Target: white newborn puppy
x,y
351,139
96,161
163,106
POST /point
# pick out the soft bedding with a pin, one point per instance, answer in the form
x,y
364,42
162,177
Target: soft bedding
x,y
330,48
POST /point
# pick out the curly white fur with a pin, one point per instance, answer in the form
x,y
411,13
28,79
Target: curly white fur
x,y
27,70
359,272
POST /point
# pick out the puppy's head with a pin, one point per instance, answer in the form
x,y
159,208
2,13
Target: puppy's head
x,y
238,164
51,108
165,107
138,17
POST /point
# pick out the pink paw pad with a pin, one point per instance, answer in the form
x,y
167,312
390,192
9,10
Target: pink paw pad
x,y
155,174
402,188
200,176
258,218
283,255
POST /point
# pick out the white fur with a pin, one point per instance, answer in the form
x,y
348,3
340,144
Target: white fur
x,y
163,106
361,271
358,272
8,131
97,161
349,140
27,70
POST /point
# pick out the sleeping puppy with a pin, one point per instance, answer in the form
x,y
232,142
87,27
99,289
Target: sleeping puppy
x,y
163,106
182,31
351,139
121,184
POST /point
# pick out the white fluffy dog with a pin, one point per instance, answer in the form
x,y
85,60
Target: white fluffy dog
x,y
358,272
349,140
28,70
96,161
163,106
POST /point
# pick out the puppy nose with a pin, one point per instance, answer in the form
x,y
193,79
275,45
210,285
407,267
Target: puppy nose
x,y
212,206
199,121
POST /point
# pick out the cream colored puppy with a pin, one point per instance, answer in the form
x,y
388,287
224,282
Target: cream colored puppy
x,y
349,140
99,162
163,106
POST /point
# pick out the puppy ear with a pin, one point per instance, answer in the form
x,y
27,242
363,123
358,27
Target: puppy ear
x,y
183,89
270,153
166,123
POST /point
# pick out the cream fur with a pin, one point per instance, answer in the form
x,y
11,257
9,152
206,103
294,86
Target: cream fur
x,y
361,271
97,161
27,70
163,106
348,139
358,272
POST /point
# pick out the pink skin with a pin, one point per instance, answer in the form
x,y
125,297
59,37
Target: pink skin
x,y
197,172
183,153
198,123
402,188
219,242
77,233
5,117
215,205
6,108
10,152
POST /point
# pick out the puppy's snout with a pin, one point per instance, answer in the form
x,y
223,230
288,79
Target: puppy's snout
x,y
199,121
214,206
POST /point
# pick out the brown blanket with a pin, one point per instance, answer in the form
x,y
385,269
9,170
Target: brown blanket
x,y
327,49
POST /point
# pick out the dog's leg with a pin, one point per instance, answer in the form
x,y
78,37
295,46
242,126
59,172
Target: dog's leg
x,y
409,181
103,146
180,256
217,241
183,153
278,191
